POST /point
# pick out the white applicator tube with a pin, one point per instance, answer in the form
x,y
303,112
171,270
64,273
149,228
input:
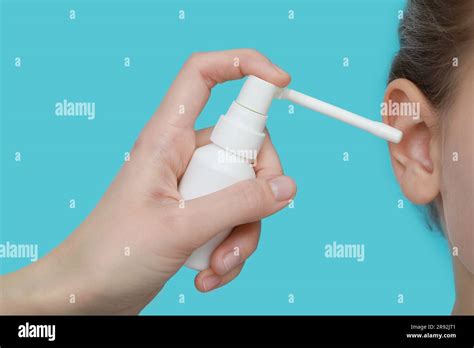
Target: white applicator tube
x,y
376,128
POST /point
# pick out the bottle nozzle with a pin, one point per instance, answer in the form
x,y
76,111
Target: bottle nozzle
x,y
257,95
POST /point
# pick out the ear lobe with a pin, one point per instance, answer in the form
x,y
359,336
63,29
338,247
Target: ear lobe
x,y
415,158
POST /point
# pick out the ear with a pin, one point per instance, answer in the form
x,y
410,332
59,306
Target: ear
x,y
415,159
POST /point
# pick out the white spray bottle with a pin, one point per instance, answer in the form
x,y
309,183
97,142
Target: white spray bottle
x,y
236,140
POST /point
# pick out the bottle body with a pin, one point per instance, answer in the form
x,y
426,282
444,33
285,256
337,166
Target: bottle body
x,y
212,168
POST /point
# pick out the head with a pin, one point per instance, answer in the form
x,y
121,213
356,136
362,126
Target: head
x,y
432,81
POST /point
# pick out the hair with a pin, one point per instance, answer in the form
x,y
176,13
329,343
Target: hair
x,y
432,34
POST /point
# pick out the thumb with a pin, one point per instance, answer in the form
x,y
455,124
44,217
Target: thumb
x,y
243,202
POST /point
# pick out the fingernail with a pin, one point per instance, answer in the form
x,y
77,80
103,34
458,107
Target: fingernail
x,y
282,188
210,282
231,260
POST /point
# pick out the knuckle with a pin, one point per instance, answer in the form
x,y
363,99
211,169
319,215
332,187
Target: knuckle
x,y
247,249
252,52
195,57
251,244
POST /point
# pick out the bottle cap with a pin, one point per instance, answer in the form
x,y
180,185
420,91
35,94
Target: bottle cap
x,y
241,130
257,94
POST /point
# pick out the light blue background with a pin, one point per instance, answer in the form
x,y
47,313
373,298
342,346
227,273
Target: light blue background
x,y
347,202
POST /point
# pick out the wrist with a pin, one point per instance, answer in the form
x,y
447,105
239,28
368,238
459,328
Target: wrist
x,y
49,286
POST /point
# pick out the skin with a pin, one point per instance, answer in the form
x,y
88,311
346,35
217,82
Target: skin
x,y
425,168
141,211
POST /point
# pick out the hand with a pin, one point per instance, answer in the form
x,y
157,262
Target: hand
x,y
138,236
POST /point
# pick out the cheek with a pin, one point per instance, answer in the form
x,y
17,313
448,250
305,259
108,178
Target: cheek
x,y
457,185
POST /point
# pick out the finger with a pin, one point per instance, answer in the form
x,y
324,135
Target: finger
x,y
244,202
202,136
191,89
236,248
208,280
268,163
